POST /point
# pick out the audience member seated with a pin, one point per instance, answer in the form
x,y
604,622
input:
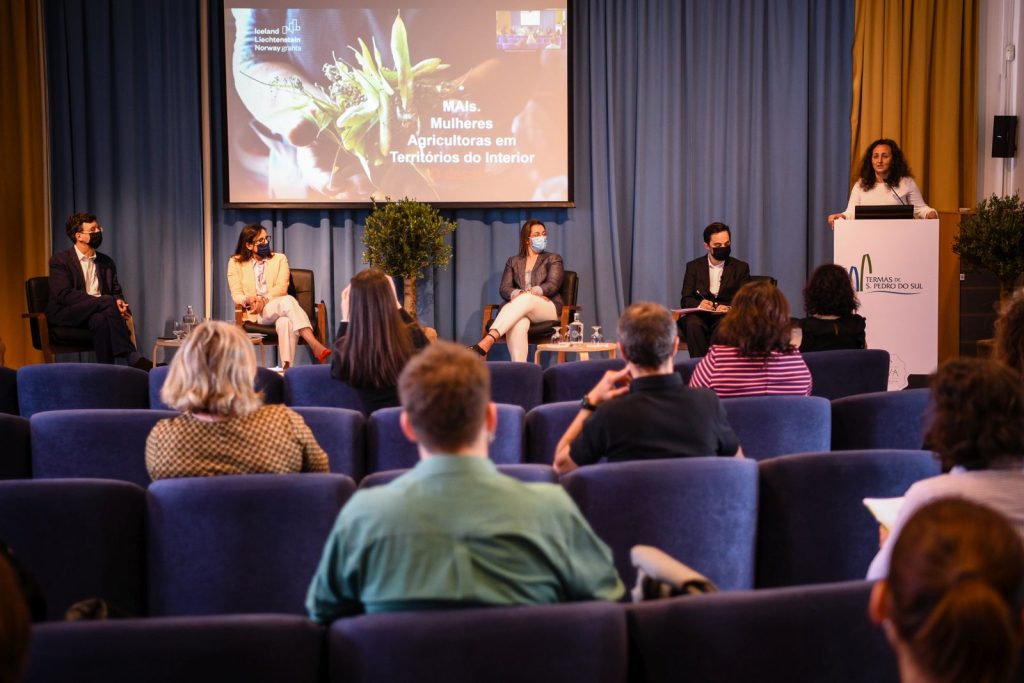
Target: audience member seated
x,y
752,355
85,292
1009,339
531,284
375,340
832,322
225,428
977,432
950,603
644,410
709,283
453,530
258,279
15,622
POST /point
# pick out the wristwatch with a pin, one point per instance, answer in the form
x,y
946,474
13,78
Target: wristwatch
x,y
585,404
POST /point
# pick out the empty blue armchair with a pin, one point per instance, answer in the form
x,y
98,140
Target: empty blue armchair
x,y
388,449
94,444
768,426
516,383
847,372
16,455
571,642
812,524
701,511
240,543
569,381
785,635
267,648
267,381
312,385
545,425
60,386
79,539
341,433
885,419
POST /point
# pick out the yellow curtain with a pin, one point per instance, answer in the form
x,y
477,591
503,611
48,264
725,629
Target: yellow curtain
x,y
914,80
25,226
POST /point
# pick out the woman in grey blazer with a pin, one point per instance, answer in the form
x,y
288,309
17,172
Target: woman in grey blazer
x,y
530,284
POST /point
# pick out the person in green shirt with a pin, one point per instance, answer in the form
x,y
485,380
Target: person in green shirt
x,y
454,531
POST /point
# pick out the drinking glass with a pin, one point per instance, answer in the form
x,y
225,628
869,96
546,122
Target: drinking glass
x,y
596,338
556,337
178,332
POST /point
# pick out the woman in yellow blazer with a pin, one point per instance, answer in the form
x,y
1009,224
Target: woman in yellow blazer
x,y
258,280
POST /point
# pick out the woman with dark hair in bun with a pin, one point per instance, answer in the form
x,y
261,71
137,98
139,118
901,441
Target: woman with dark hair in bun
x,y
951,601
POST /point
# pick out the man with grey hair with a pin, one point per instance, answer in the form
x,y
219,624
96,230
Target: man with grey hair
x,y
644,411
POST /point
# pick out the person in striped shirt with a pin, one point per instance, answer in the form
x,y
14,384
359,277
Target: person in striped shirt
x,y
751,354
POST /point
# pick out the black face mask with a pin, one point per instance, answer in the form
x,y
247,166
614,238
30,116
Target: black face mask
x,y
95,240
721,253
263,250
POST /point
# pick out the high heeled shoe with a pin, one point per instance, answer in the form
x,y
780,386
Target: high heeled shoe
x,y
480,351
322,356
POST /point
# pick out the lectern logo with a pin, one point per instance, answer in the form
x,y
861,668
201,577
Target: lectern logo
x,y
857,276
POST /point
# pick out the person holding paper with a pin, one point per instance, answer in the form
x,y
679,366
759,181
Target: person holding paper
x,y
977,432
709,283
885,178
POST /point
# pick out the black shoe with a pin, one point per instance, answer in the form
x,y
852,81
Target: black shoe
x,y
480,352
143,363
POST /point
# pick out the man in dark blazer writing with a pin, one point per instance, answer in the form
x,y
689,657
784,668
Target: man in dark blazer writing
x,y
84,292
709,283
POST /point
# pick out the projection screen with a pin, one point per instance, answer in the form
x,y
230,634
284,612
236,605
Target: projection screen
x,y
453,102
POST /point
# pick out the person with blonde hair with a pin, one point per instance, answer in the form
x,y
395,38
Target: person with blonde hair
x,y
225,428
952,599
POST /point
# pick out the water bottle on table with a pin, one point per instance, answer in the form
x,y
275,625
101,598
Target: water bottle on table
x,y
188,321
576,329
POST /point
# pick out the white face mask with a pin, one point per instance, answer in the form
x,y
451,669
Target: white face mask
x,y
539,243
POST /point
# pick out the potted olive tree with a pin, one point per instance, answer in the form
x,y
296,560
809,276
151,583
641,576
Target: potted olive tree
x,y
993,238
405,237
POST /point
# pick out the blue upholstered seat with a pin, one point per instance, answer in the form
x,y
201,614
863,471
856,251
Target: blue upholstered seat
x,y
528,473
569,381
847,372
239,544
267,381
516,383
342,434
701,511
809,634
812,524
80,539
545,425
885,419
16,454
775,425
312,385
266,648
685,368
61,386
388,449
571,642
96,444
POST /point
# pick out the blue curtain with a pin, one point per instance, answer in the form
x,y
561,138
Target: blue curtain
x,y
684,113
123,83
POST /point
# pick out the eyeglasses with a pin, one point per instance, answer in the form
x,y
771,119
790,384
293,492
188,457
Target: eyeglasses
x,y
265,240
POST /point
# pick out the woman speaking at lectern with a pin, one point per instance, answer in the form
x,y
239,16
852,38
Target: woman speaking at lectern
x,y
885,179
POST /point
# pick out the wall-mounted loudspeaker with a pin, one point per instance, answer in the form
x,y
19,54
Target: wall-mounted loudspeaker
x,y
1004,137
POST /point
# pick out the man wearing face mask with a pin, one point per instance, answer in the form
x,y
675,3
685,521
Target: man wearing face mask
x,y
709,283
85,292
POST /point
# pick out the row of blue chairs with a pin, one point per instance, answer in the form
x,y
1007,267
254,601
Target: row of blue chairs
x,y
789,635
111,443
74,385
250,543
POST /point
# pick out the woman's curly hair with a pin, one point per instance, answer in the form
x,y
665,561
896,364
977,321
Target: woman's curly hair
x,y
898,168
830,292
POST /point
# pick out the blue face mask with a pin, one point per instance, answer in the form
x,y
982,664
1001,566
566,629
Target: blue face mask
x,y
263,250
539,243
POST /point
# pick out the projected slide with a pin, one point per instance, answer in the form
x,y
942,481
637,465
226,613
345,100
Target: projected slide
x,y
453,102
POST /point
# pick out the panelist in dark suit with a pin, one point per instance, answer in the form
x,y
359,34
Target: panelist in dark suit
x,y
84,292
710,282
532,285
